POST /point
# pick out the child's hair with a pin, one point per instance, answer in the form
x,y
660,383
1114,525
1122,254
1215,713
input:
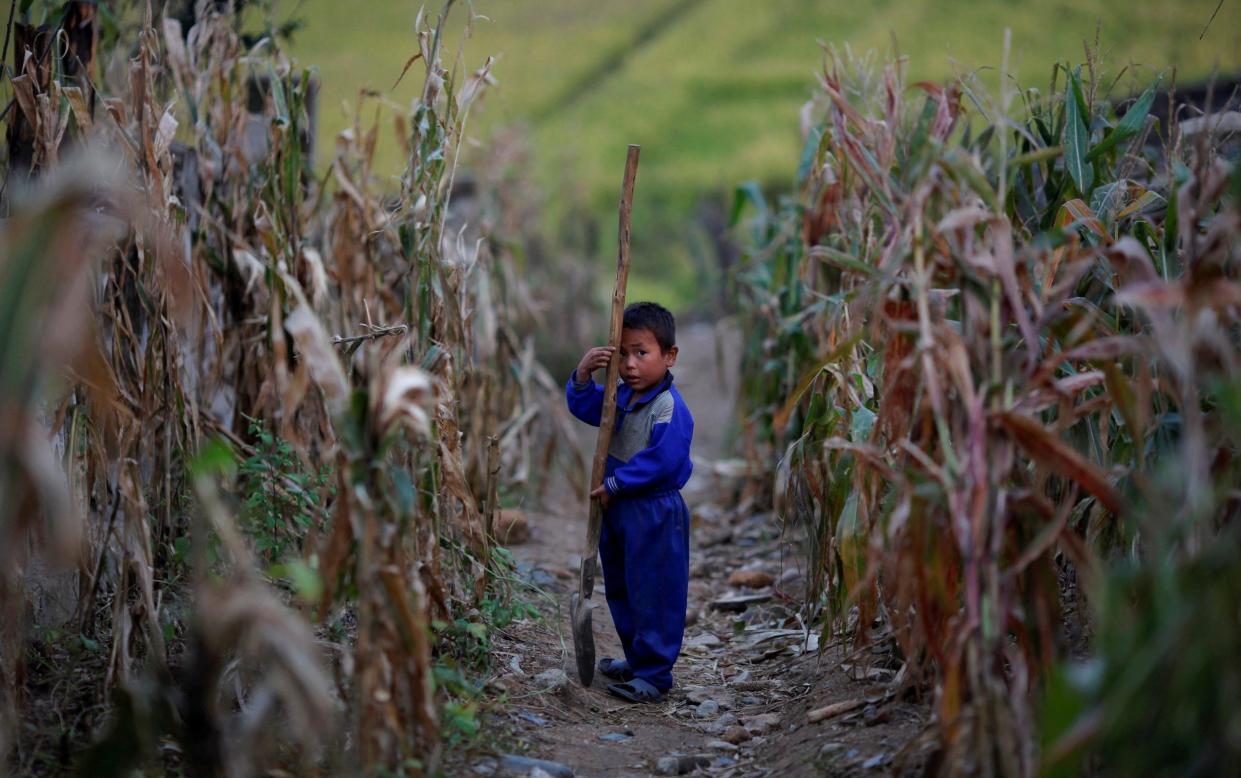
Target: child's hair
x,y
656,319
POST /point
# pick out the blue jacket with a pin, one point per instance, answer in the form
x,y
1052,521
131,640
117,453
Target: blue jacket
x,y
649,453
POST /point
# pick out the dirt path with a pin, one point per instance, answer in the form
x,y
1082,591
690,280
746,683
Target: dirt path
x,y
748,674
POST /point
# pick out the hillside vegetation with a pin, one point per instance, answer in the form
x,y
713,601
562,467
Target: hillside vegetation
x,y
712,88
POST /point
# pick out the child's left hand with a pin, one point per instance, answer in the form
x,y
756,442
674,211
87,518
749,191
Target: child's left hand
x,y
601,492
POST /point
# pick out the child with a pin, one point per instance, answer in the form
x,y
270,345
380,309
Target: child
x,y
644,543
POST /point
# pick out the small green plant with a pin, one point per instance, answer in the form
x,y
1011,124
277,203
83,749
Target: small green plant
x,y
282,497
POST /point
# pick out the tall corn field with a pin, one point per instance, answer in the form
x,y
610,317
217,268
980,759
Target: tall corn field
x,y
994,346
253,420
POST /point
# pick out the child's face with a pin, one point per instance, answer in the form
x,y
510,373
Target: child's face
x,y
643,363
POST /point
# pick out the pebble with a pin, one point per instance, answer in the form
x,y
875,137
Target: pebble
x,y
534,719
553,680
615,737
828,749
875,761
524,765
705,639
706,709
721,745
698,695
680,765
758,725
737,735
750,699
536,575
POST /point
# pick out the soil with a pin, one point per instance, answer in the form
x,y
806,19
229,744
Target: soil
x,y
749,676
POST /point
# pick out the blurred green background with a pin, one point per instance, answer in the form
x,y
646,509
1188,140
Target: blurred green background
x,y
711,88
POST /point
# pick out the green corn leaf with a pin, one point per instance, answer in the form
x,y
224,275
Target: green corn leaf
x,y
749,193
1129,126
1076,138
842,260
809,154
277,96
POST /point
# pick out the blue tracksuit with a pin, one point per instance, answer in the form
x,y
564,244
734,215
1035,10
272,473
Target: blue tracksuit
x,y
644,543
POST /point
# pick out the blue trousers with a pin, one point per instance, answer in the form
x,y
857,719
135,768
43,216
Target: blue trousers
x,y
644,553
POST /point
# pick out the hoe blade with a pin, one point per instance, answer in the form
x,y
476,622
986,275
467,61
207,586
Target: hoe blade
x,y
581,613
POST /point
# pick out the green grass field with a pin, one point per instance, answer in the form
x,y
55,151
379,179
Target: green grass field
x,y
712,88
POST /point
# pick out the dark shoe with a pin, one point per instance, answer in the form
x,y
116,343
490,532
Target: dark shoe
x,y
617,669
636,690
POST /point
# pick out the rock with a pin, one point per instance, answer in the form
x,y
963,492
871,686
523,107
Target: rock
x,y
751,579
485,767
534,719
711,538
706,709
512,528
721,745
512,764
875,761
750,699
758,725
737,735
553,680
536,576
539,772
705,639
680,765
698,695
615,737
702,644
829,750
720,725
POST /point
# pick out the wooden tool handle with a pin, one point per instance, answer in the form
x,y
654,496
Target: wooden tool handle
x,y
608,418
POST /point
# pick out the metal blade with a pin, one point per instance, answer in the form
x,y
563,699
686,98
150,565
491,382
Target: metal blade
x,y
581,614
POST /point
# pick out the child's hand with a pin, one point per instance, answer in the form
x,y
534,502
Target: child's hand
x,y
592,360
601,492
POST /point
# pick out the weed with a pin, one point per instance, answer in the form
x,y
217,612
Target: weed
x,y
283,501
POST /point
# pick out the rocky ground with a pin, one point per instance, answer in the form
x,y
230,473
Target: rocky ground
x,y
756,694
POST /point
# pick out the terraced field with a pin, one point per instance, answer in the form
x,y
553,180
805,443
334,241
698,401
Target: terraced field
x,y
712,88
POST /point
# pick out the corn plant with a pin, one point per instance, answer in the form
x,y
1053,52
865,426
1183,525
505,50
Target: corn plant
x,y
960,349
211,279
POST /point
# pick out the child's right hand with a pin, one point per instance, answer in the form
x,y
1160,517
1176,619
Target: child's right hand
x,y
592,360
